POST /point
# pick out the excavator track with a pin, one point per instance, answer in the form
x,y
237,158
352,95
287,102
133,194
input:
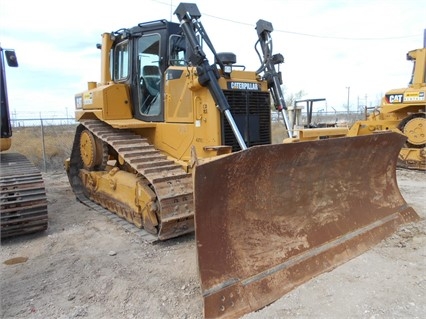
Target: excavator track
x,y
171,184
23,197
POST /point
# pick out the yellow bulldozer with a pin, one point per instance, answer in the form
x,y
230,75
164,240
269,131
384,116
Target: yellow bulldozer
x,y
402,110
174,144
23,197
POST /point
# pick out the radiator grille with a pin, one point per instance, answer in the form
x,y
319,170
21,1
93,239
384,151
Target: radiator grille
x,y
252,114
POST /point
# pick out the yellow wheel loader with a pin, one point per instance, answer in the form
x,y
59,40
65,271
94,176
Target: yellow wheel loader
x,y
174,144
23,207
401,110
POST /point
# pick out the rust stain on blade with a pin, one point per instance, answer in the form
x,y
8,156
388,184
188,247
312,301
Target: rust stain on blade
x,y
272,217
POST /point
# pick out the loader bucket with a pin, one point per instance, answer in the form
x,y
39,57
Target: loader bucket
x,y
270,218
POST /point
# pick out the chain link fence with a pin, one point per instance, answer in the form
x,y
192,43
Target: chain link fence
x,y
340,118
45,142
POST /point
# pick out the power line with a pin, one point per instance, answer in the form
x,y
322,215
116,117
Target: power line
x,y
349,38
301,33
316,35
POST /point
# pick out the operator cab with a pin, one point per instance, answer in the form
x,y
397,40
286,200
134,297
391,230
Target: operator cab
x,y
140,57
6,127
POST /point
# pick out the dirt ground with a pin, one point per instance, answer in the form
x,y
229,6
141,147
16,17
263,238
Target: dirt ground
x,y
87,265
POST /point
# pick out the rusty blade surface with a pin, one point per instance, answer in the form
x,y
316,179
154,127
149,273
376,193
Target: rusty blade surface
x,y
272,217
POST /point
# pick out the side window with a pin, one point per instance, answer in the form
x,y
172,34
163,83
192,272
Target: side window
x,y
412,73
177,49
149,74
121,61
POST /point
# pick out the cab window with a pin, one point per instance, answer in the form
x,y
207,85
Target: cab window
x,y
149,75
121,61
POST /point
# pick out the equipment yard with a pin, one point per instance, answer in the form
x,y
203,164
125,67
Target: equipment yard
x,y
86,265
233,224
175,144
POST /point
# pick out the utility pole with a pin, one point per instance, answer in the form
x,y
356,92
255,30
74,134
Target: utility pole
x,y
349,89
424,38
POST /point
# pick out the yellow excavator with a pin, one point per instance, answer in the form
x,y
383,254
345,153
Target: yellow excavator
x,y
23,197
174,144
402,110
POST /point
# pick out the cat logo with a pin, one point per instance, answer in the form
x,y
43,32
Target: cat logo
x,y
243,86
394,98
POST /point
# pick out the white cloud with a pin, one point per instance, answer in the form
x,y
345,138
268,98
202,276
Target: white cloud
x,y
324,42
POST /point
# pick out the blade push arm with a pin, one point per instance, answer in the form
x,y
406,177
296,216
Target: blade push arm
x,y
264,29
188,15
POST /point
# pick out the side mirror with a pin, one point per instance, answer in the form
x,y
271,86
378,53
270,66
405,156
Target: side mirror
x,y
11,59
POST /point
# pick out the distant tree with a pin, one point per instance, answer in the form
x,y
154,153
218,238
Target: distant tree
x,y
289,97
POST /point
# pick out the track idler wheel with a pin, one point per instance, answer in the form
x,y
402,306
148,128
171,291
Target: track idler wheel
x,y
414,127
93,152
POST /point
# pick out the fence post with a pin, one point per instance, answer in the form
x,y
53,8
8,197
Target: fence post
x,y
42,143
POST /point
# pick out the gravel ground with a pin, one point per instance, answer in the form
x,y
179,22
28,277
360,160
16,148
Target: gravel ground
x,y
87,265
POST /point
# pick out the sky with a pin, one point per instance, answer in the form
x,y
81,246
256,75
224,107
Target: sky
x,y
339,50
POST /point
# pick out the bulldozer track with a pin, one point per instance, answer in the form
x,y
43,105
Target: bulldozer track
x,y
171,184
23,197
131,228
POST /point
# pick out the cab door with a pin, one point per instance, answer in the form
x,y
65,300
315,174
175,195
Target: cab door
x,y
148,80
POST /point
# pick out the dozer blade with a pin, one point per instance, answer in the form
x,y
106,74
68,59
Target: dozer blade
x,y
270,218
